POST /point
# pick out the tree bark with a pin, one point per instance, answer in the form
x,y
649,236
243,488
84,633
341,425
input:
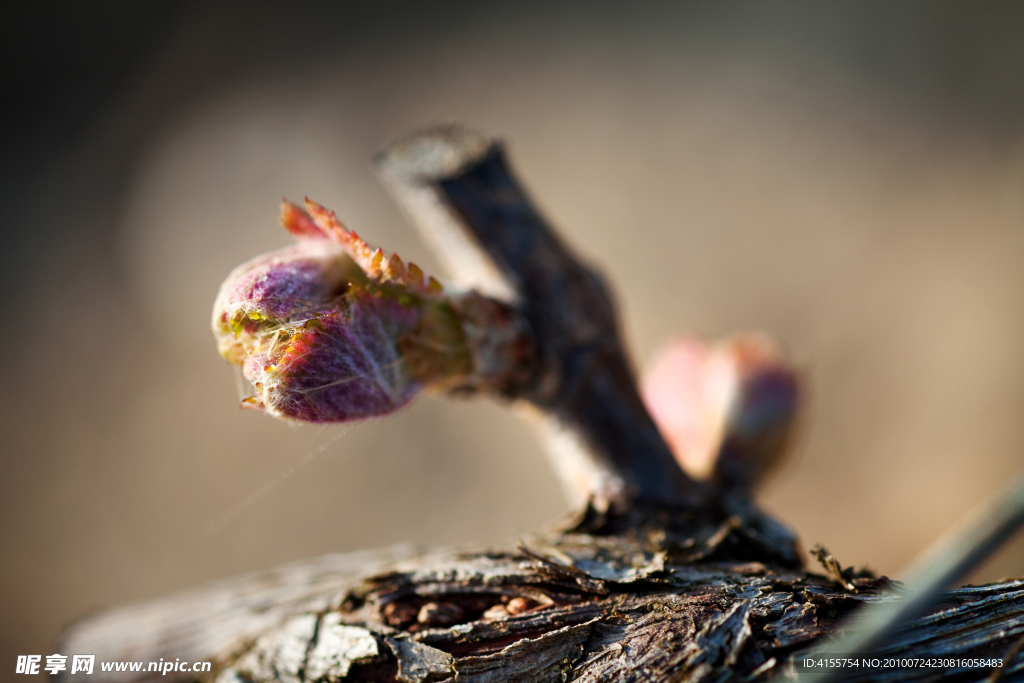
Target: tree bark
x,y
659,577
577,607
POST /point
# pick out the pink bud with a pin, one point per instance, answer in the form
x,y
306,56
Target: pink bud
x,y
331,329
725,410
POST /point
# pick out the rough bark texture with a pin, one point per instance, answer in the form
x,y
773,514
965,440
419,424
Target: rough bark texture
x,y
659,577
576,607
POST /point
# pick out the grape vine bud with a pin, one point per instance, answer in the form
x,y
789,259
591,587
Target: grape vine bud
x,y
332,330
727,411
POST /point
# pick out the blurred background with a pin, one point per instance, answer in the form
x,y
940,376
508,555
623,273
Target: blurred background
x,y
848,177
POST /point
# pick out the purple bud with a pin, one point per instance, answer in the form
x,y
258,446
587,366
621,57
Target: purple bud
x,y
331,330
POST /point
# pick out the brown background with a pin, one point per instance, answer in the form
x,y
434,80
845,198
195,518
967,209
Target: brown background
x,y
847,177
